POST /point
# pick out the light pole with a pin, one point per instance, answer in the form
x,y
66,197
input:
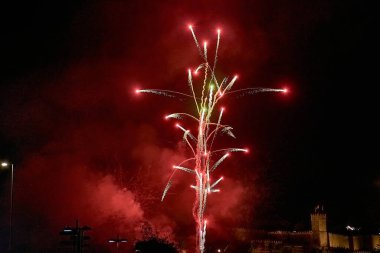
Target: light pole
x,y
5,165
77,236
117,241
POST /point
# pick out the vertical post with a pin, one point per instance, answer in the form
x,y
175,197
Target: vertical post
x,y
78,236
117,242
11,212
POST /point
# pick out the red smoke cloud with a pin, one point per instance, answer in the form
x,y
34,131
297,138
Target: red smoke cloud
x,y
93,151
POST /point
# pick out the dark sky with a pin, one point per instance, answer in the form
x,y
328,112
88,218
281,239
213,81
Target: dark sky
x,y
84,146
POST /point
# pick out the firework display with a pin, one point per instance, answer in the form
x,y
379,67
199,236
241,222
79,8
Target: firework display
x,y
205,160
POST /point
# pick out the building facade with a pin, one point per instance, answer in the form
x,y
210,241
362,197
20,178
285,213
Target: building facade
x,y
317,240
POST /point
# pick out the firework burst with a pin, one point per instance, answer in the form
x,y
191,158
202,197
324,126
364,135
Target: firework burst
x,y
205,159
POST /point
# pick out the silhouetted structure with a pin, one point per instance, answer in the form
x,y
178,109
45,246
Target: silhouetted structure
x,y
155,245
76,236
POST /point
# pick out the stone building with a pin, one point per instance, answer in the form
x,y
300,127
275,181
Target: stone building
x,y
318,239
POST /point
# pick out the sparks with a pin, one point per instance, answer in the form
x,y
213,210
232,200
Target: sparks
x,y
205,159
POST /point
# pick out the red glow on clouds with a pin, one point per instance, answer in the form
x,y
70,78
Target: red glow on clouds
x,y
117,140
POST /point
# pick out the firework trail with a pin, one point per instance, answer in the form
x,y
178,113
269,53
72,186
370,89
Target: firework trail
x,y
202,164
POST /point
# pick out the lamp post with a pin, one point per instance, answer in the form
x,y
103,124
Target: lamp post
x,y
117,241
5,165
77,236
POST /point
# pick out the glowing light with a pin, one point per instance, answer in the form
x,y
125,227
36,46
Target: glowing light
x,y
205,159
137,91
4,164
218,30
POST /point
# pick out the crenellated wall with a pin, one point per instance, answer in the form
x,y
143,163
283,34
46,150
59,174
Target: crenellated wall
x,y
318,239
339,241
375,242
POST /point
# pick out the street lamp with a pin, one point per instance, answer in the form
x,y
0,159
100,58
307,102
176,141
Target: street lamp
x,y
5,165
117,241
77,236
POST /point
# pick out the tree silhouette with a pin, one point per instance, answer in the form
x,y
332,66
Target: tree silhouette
x,y
155,245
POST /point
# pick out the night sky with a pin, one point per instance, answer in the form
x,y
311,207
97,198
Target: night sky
x,y
85,146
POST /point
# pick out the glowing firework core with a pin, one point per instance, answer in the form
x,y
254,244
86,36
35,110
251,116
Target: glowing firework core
x,y
204,159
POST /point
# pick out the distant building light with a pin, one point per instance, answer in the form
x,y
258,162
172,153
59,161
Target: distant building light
x,y
348,227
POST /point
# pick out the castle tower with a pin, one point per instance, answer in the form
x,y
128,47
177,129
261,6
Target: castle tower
x,y
319,228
